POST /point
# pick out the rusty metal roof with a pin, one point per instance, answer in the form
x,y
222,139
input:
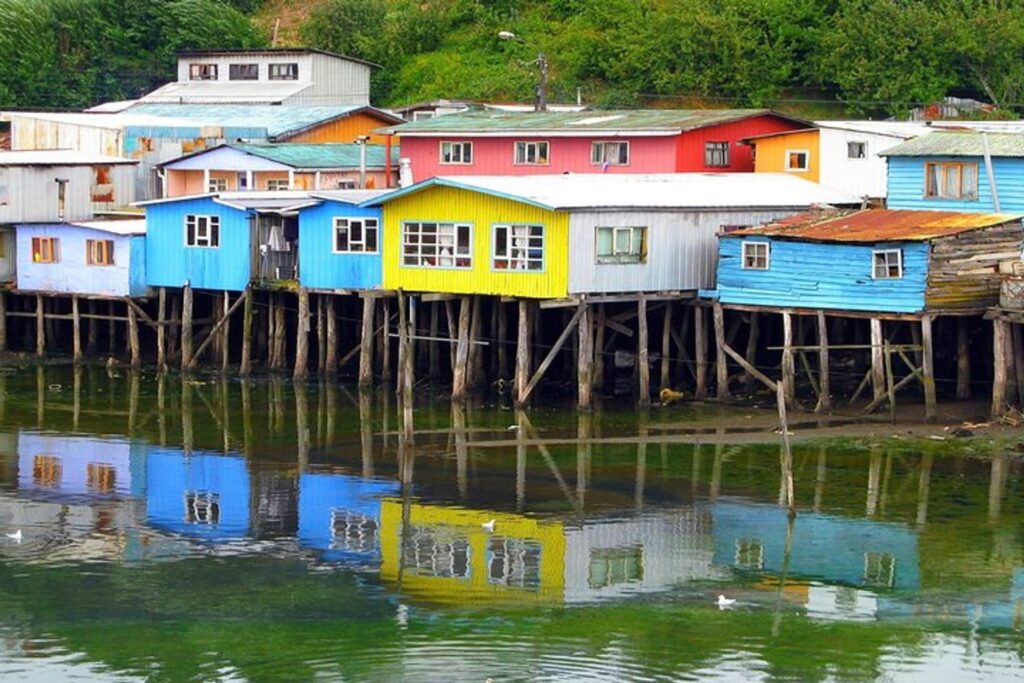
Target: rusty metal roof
x,y
877,225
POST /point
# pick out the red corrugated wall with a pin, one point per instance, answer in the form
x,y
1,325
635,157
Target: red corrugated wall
x,y
690,152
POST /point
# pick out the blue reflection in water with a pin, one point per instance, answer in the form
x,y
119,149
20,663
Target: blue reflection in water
x,y
339,515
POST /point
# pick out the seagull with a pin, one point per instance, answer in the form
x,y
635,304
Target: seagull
x,y
724,602
489,526
512,428
16,536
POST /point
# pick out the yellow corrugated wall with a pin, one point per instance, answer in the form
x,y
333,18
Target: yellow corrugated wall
x,y
346,129
482,211
770,156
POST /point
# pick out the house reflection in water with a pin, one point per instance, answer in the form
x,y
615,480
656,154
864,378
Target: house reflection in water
x,y
340,516
202,495
50,465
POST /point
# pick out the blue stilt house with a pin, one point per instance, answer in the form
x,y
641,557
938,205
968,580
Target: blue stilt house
x,y
341,241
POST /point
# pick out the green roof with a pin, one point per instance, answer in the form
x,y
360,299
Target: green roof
x,y
278,121
959,144
647,120
319,155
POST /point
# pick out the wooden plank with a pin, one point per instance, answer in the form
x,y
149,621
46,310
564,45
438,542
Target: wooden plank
x,y
1000,356
245,364
552,352
186,327
928,369
366,344
877,361
751,370
213,332
700,355
643,364
788,367
76,340
461,368
666,348
721,368
824,382
585,359
523,352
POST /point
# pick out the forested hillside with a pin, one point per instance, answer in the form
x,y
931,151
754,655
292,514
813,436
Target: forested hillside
x,y
872,56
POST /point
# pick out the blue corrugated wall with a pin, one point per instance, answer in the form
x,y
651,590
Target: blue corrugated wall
x,y
169,262
906,185
137,275
319,266
816,275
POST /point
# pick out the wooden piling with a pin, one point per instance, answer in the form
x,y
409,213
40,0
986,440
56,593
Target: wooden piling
x,y
1017,348
751,351
280,332
133,337
459,378
433,346
666,347
877,361
1000,359
76,330
186,327
597,382
93,331
585,358
408,364
40,327
963,359
366,343
788,367
700,353
161,328
824,381
321,334
476,354
523,351
245,363
502,351
643,364
385,343
225,332
928,369
331,335
301,371
721,367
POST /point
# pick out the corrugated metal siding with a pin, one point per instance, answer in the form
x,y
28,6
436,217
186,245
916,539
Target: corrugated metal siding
x,y
771,153
681,249
70,274
319,266
8,254
336,81
814,275
859,177
137,274
169,263
32,193
482,211
346,129
691,144
906,185
32,133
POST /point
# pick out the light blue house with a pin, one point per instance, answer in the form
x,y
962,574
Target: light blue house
x,y
339,515
341,241
80,466
875,260
946,171
93,258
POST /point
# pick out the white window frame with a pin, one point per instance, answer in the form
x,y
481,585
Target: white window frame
x,y
450,146
202,223
278,184
355,246
450,240
599,152
752,246
525,146
524,262
798,169
243,68
202,71
285,71
724,151
864,148
885,254
423,115
217,185
617,257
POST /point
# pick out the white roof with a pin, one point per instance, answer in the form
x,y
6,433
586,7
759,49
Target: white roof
x,y
116,227
112,107
648,191
896,129
222,92
58,157
97,120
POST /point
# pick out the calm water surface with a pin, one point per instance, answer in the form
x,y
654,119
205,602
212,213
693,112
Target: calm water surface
x,y
212,530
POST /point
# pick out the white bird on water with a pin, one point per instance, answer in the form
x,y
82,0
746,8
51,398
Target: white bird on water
x,y
724,602
489,526
16,536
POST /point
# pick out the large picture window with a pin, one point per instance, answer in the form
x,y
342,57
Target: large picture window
x,y
437,245
355,235
202,72
951,180
621,245
202,231
756,255
456,152
611,153
518,247
244,72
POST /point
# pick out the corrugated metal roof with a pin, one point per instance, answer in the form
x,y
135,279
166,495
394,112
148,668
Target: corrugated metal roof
x,y
277,120
225,92
665,121
651,191
349,196
959,144
877,225
320,155
59,157
116,227
116,121
275,51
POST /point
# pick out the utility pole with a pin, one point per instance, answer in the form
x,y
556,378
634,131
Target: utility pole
x,y
542,86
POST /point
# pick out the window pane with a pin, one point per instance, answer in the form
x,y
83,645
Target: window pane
x,y
604,241
970,181
371,237
951,181
501,241
622,241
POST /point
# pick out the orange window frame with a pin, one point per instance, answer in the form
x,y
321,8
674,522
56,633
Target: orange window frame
x,y
45,250
99,252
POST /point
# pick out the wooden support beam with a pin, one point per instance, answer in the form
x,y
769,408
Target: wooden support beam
x,y
405,353
76,331
161,331
666,348
133,338
225,332
1017,344
476,356
643,363
751,370
366,343
331,354
928,369
523,351
599,333
877,361
40,327
186,328
700,353
963,359
453,332
721,366
321,334
788,368
433,347
824,382
915,374
1000,357
550,358
461,367
585,358
752,339
502,350
245,364
214,331
385,344
301,371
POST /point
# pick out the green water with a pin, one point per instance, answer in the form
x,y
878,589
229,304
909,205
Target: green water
x,y
218,531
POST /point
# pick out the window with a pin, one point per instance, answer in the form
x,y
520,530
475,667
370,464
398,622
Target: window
x,y
856,150
45,250
879,569
46,470
353,531
610,153
202,507
99,252
437,245
798,160
950,180
756,255
888,264
532,153
218,185
100,478
436,552
716,153
244,72
518,247
422,115
347,184
277,184
613,566
355,235
202,231
513,562
202,72
456,152
622,245
749,553
284,72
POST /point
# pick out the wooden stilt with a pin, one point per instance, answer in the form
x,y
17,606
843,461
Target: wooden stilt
x,y
133,337
788,368
331,354
550,358
585,358
523,351
824,381
321,333
928,369
3,321
186,327
751,352
174,340
666,347
366,343
161,328
721,367
302,337
502,351
877,361
40,326
1017,343
93,330
700,353
245,363
406,354
643,364
963,358
453,333
271,328
433,346
459,379
385,352
76,331
218,315
476,356
599,333
225,333
280,332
